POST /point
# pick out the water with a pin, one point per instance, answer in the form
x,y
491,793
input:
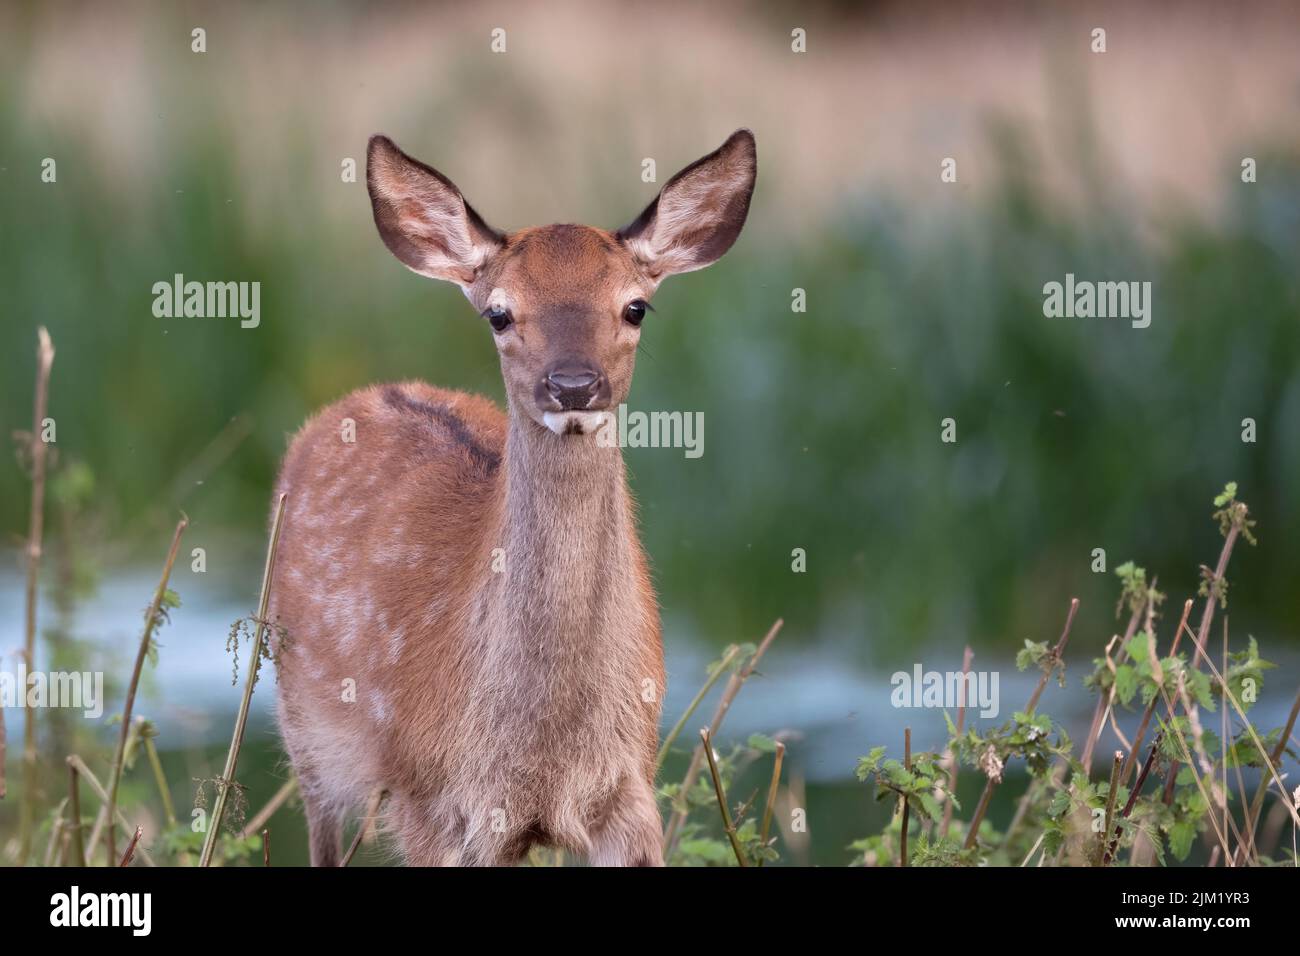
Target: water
x,y
829,709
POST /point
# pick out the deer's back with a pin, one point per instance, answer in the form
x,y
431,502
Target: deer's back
x,y
382,538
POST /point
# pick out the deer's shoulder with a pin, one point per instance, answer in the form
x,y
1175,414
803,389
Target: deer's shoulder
x,y
404,425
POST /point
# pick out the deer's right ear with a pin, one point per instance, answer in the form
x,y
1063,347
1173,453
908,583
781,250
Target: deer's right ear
x,y
423,218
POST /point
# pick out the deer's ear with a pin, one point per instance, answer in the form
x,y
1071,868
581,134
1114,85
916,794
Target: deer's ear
x,y
423,218
699,213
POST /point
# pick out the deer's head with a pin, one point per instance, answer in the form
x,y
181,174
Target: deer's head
x,y
564,303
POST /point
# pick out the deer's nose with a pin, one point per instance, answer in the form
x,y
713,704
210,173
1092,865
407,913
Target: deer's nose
x,y
573,386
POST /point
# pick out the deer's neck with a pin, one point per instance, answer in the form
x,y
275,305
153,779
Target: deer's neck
x,y
568,537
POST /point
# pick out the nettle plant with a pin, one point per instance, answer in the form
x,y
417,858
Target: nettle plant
x,y
697,845
694,805
1170,782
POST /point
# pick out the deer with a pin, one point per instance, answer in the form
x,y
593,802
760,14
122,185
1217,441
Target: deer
x,y
464,614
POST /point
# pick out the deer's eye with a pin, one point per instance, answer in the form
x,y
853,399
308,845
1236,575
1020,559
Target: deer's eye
x,y
499,318
635,311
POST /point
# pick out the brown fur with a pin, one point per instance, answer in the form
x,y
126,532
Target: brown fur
x,y
477,575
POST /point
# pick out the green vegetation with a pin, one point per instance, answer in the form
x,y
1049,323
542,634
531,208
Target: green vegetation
x,y
1065,815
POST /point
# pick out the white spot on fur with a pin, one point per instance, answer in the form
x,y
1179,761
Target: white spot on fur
x,y
581,423
396,639
381,709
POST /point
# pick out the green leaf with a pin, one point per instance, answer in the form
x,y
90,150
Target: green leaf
x,y
1053,837
1060,804
709,852
931,806
1201,689
870,764
1138,648
1034,651
1126,684
1181,835
1229,494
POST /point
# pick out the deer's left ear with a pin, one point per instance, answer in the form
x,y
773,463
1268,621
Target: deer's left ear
x,y
699,213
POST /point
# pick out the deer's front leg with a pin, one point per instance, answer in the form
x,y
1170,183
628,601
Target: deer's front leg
x,y
630,833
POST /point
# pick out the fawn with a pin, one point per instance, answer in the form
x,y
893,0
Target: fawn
x,y
469,617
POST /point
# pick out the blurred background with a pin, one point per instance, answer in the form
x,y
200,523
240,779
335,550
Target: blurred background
x,y
822,427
